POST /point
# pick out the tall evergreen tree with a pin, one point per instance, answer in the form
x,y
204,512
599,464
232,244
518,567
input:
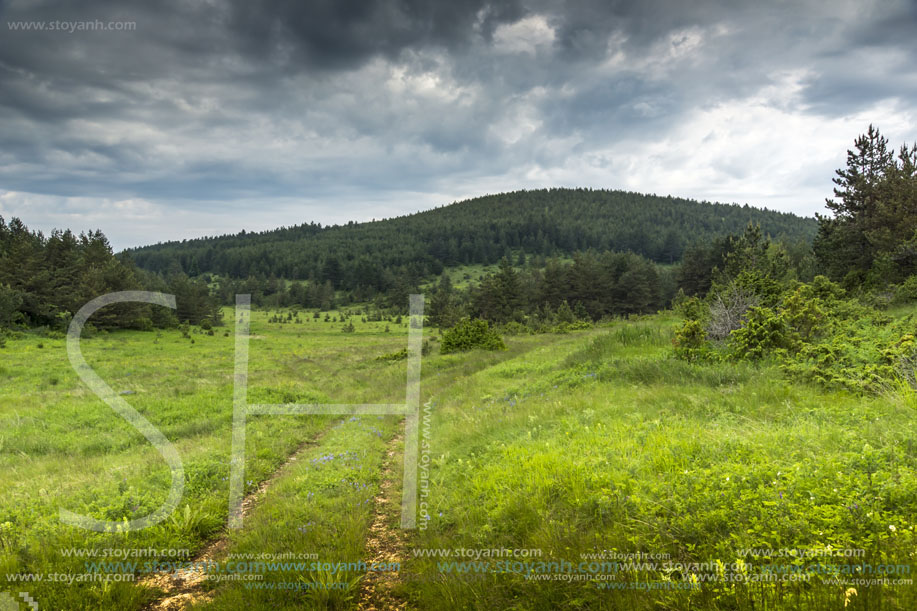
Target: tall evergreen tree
x,y
443,310
873,208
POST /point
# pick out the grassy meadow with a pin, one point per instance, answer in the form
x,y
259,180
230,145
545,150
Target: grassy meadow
x,y
607,474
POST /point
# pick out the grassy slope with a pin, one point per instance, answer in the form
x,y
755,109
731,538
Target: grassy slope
x,y
63,448
569,444
615,446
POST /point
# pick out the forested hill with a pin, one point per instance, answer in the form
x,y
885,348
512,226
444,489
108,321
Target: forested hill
x,y
481,230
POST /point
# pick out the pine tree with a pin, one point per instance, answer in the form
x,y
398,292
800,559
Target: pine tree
x,y
842,245
443,310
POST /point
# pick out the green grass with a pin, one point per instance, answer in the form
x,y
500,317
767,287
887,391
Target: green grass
x,y
569,444
617,446
463,276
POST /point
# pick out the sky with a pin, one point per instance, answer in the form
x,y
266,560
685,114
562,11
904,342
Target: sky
x,y
171,120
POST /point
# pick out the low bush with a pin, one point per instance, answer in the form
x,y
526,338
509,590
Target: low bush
x,y
906,292
471,333
812,331
394,356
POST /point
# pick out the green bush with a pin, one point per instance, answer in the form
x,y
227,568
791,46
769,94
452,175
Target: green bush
x,y
394,356
906,292
691,341
564,313
691,307
763,333
516,328
471,333
566,327
814,331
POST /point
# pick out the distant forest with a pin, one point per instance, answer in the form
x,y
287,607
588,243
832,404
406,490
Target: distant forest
x,y
373,257
45,280
563,254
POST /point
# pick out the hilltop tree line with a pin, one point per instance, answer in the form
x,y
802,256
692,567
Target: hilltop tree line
x,y
621,245
44,281
59,274
388,256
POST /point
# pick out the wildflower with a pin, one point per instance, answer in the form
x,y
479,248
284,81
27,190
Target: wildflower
x,y
848,594
892,528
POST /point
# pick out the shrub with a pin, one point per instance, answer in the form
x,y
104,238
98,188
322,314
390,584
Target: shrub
x,y
727,310
764,332
516,328
906,292
394,356
691,341
564,313
471,333
566,327
826,290
804,312
691,308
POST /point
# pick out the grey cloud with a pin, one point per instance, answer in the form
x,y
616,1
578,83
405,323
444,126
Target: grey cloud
x,y
337,34
210,101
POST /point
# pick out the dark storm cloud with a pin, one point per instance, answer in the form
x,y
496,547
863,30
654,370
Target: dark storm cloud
x,y
337,34
894,26
224,100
